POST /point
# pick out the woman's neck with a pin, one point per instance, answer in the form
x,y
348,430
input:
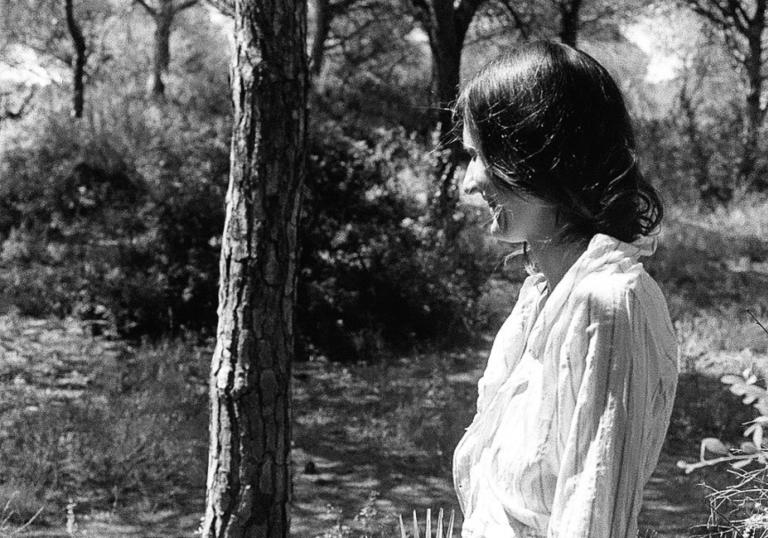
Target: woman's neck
x,y
554,259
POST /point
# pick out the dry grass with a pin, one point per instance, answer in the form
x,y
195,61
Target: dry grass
x,y
99,424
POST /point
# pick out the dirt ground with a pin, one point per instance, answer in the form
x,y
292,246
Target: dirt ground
x,y
334,474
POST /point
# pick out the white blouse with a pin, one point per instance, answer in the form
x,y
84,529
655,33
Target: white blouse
x,y
574,403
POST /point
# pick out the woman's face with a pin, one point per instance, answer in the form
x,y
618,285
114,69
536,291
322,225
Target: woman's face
x,y
516,218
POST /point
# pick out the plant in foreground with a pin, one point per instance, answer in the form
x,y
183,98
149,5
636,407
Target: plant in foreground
x,y
428,526
7,513
741,509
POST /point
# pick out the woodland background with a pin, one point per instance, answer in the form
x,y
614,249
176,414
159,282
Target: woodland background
x,y
115,121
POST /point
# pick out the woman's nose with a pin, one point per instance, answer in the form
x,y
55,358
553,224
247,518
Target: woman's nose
x,y
470,184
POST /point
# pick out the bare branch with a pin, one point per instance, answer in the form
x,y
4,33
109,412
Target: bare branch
x,y
740,15
184,5
152,11
465,12
520,24
704,9
341,6
225,7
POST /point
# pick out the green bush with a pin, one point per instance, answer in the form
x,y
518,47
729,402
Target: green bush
x,y
375,272
121,225
122,232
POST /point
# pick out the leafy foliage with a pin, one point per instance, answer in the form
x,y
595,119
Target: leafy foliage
x,y
374,268
134,250
741,507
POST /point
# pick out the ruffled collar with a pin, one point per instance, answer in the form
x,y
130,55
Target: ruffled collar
x,y
602,250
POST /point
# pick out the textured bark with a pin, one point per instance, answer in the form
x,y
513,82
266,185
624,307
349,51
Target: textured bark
x,y
78,67
249,479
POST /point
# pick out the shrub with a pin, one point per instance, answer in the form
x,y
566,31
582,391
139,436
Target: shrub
x,y
117,231
374,269
739,509
121,226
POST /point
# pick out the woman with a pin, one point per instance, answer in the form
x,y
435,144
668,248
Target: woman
x,y
576,397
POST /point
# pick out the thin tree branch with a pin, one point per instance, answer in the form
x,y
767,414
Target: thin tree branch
x,y
520,24
152,11
739,11
184,5
225,7
465,12
341,6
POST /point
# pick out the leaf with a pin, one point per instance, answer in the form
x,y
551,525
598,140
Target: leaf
x,y
415,525
428,531
730,379
713,445
748,447
440,523
758,436
738,386
402,527
450,524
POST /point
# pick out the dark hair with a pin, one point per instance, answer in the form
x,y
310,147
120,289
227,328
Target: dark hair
x,y
550,122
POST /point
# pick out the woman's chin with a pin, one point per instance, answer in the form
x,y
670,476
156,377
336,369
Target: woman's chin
x,y
503,237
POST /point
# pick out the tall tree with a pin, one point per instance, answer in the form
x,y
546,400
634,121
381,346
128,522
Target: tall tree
x,y
446,23
249,480
323,11
742,24
163,12
61,33
80,59
569,20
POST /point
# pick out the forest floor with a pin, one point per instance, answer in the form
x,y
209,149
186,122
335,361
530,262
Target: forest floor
x,y
371,442
110,439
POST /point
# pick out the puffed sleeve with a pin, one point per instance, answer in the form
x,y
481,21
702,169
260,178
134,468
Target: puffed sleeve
x,y
621,403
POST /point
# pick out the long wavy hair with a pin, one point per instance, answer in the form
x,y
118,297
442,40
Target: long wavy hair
x,y
551,122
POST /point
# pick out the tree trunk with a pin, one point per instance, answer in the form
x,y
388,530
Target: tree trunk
x,y
78,69
322,27
249,479
446,25
755,113
162,47
569,21
447,59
